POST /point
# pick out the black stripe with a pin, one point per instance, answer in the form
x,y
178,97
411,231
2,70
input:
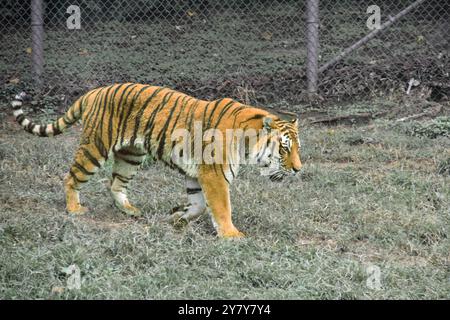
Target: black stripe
x,y
129,161
191,115
70,114
120,177
234,122
237,110
223,173
212,113
184,103
20,118
183,106
162,134
75,177
77,104
125,121
101,147
90,114
90,157
204,115
102,118
98,120
18,106
111,113
122,106
56,129
119,105
193,190
223,112
150,125
140,113
95,109
260,153
66,122
42,131
95,105
125,93
83,99
255,117
232,172
129,152
83,169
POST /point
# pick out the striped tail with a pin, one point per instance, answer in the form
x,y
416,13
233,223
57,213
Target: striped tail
x,y
45,130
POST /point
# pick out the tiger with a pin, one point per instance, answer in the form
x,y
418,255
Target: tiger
x,y
128,121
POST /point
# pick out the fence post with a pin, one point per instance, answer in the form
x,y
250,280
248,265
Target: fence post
x,y
37,39
312,44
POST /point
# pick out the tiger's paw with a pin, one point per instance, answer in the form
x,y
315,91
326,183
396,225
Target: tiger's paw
x,y
77,210
178,220
129,210
176,216
231,234
182,215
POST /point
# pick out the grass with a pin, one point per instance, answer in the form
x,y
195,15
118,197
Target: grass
x,y
368,196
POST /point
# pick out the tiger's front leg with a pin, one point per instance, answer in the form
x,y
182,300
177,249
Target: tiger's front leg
x,y
216,191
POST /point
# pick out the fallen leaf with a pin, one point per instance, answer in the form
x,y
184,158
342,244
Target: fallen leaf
x,y
266,35
14,81
57,290
420,39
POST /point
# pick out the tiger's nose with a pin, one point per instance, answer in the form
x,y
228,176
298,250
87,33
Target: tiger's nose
x,y
296,169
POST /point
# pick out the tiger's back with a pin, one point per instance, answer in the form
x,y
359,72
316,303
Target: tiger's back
x,y
144,117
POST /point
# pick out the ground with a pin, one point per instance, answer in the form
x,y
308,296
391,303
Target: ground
x,y
371,195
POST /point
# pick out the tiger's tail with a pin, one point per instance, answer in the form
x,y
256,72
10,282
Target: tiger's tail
x,y
45,130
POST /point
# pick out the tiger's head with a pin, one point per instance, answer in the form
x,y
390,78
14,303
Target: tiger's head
x,y
279,148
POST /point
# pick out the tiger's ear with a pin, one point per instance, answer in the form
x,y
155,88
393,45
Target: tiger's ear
x,y
295,122
267,123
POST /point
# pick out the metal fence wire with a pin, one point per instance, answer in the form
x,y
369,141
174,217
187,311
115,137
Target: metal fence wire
x,y
259,51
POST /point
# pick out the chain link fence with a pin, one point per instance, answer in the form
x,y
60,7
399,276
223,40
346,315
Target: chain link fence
x,y
258,51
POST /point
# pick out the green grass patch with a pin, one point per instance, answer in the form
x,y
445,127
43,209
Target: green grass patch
x,y
434,128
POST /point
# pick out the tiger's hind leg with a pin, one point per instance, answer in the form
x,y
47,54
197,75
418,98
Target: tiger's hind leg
x,y
196,203
87,162
126,163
